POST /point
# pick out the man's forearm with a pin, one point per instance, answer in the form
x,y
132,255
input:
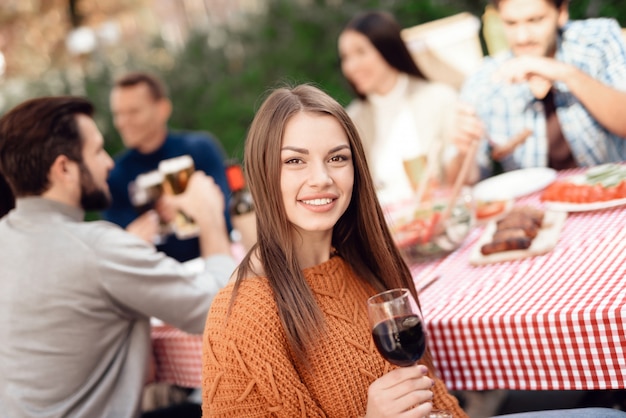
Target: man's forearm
x,y
213,236
603,102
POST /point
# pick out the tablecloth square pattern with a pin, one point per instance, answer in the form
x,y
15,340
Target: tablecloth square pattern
x,y
549,322
552,322
178,356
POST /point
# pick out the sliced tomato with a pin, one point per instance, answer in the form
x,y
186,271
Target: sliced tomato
x,y
488,209
621,193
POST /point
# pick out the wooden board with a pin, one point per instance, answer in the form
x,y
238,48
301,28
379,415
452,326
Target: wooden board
x,y
545,241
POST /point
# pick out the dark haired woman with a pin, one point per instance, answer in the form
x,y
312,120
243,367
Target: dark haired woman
x,y
399,113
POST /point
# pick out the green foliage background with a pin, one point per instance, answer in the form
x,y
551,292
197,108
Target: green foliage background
x,y
217,89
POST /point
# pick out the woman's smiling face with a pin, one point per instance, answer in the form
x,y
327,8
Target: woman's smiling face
x,y
317,173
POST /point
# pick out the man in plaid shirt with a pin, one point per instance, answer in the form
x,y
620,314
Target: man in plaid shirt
x,y
562,82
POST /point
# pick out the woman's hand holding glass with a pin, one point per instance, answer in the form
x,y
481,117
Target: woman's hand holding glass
x,y
400,337
404,391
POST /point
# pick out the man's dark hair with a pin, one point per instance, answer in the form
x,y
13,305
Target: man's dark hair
x,y
557,3
33,135
7,201
155,85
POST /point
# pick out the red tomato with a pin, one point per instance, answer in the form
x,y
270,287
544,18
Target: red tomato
x,y
611,193
621,190
489,209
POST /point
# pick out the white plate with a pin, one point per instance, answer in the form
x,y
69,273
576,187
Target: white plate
x,y
583,207
514,184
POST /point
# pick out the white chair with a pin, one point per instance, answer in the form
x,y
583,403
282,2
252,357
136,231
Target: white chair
x,y
447,49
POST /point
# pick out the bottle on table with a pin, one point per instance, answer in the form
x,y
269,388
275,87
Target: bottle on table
x,y
240,206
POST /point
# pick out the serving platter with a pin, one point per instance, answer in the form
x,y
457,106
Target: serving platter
x,y
544,242
599,187
513,184
583,207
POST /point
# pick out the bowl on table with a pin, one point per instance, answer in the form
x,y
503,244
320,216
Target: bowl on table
x,y
421,233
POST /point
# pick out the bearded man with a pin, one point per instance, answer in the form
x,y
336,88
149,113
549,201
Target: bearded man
x,y
76,297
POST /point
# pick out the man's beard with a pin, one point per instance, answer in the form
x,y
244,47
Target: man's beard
x,y
91,197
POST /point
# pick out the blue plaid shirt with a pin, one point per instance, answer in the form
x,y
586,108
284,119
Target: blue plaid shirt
x,y
596,47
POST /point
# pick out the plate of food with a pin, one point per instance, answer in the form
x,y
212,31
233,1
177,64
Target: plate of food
x,y
525,231
600,187
513,184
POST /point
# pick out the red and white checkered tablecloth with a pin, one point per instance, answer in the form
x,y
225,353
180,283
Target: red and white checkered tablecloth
x,y
551,322
178,356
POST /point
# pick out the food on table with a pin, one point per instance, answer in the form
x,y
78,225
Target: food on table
x,y
504,234
508,244
488,209
536,214
598,184
519,221
419,230
515,231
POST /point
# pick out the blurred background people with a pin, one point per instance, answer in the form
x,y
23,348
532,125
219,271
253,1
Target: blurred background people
x,y
563,81
141,109
402,117
76,297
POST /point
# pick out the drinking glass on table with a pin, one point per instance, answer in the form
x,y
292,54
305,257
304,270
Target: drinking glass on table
x,y
415,169
397,326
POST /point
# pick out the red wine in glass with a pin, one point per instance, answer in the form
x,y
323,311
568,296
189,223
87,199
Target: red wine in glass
x,y
397,327
400,340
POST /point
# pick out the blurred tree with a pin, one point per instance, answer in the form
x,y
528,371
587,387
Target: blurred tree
x,y
218,89
218,78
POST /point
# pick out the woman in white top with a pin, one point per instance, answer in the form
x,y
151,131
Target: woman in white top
x,y
400,115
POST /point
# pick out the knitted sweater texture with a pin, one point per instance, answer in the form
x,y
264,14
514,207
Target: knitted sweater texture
x,y
250,371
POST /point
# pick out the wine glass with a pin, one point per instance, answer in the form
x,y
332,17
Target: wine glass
x,y
397,326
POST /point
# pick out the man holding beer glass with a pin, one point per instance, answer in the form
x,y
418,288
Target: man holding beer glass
x,y
141,109
76,297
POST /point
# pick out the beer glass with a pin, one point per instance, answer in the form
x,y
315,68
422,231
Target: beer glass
x,y
176,173
143,193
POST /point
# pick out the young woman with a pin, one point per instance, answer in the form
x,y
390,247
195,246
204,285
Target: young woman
x,y
398,111
290,336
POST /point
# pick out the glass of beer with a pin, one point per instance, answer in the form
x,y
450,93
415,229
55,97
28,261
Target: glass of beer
x,y
143,193
176,173
415,169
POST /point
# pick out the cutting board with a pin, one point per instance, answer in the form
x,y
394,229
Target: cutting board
x,y
544,242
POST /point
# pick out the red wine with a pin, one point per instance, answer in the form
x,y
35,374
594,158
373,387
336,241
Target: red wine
x,y
400,340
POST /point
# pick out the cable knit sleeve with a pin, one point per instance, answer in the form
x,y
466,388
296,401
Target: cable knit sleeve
x,y
246,368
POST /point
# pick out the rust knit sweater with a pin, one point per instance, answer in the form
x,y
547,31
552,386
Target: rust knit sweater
x,y
249,371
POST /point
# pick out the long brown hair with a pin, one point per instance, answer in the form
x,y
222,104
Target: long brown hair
x,y
361,236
